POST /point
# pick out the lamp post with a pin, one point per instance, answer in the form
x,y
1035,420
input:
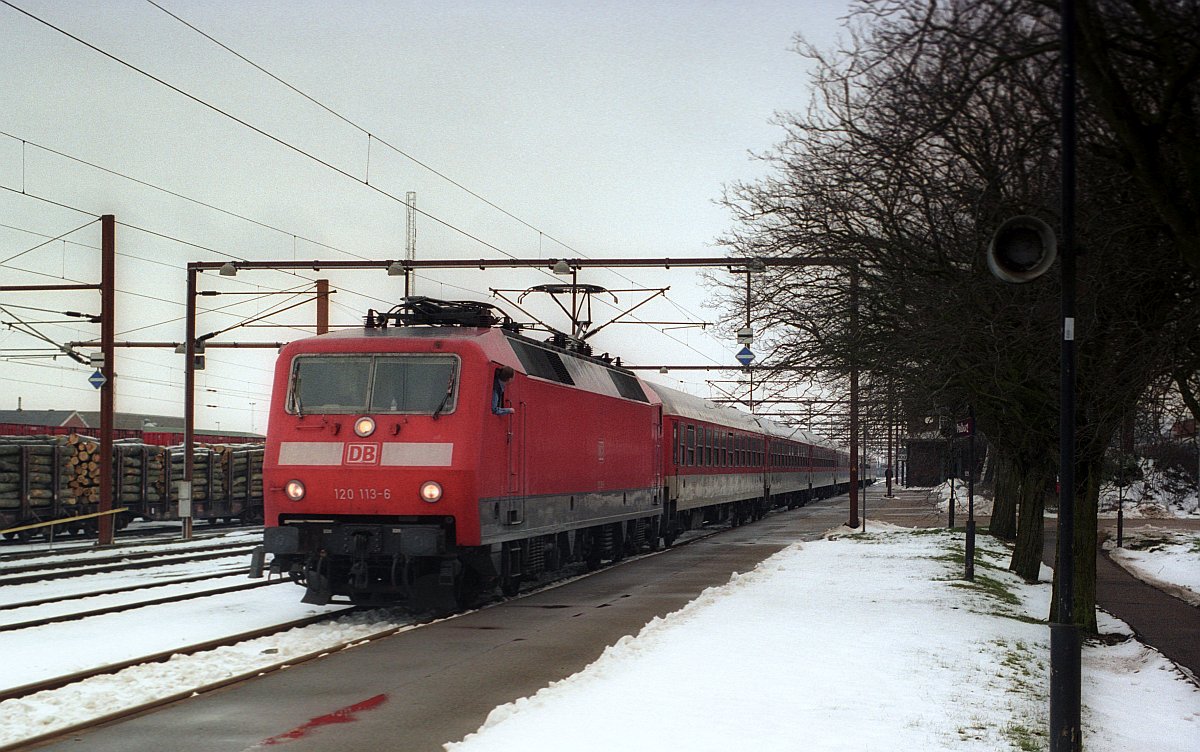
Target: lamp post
x,y
1065,681
970,552
1022,249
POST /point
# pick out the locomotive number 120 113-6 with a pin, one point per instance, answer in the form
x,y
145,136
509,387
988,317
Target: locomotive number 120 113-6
x,y
362,494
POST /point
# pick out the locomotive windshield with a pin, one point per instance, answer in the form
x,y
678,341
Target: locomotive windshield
x,y
337,384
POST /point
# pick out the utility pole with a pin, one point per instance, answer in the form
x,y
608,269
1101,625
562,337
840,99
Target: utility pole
x,y
322,306
1065,654
410,241
108,268
854,448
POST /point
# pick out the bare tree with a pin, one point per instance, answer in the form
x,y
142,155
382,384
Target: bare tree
x,y
940,122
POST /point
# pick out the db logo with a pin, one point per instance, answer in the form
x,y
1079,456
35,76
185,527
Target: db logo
x,y
362,454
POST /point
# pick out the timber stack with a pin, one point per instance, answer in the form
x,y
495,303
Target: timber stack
x,y
34,474
51,477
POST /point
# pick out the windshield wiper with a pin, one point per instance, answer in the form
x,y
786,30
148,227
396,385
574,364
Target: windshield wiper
x,y
446,398
296,393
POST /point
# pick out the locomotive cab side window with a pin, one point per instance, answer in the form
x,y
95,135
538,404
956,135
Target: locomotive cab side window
x,y
341,384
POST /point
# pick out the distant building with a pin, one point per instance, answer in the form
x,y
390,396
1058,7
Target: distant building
x,y
1184,429
153,429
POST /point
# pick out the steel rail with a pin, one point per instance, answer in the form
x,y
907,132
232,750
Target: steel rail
x,y
116,609
117,591
58,682
43,575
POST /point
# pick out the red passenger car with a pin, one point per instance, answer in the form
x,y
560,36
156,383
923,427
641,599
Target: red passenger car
x,y
723,464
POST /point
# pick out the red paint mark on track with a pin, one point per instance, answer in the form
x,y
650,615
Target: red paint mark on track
x,y
345,715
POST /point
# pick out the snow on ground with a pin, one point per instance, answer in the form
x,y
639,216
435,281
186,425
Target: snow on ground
x,y
958,490
76,549
50,711
859,642
1167,559
26,659
1156,494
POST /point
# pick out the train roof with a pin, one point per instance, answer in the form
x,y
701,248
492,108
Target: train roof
x,y
687,405
585,374
544,360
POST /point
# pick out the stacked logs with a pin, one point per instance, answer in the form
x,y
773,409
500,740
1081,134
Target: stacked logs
x,y
226,478
244,469
33,469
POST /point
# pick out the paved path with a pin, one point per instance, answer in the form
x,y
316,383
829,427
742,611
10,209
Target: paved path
x,y
1160,620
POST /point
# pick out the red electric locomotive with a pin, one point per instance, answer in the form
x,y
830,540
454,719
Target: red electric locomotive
x,y
450,453
437,452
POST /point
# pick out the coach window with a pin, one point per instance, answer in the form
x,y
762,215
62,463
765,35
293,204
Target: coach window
x,y
691,445
674,443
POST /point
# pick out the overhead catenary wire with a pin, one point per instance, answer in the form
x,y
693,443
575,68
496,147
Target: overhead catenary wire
x,y
251,126
47,242
198,202
334,167
371,135
313,157
362,129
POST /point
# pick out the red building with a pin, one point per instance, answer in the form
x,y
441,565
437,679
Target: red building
x,y
163,430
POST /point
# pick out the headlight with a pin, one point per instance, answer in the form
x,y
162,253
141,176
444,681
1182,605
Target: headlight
x,y
364,427
431,491
294,490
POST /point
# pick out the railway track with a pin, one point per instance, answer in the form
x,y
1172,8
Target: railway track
x,y
115,591
118,608
261,669
63,680
44,571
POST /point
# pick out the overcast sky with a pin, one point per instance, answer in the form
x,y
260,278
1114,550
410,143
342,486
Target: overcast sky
x,y
600,129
